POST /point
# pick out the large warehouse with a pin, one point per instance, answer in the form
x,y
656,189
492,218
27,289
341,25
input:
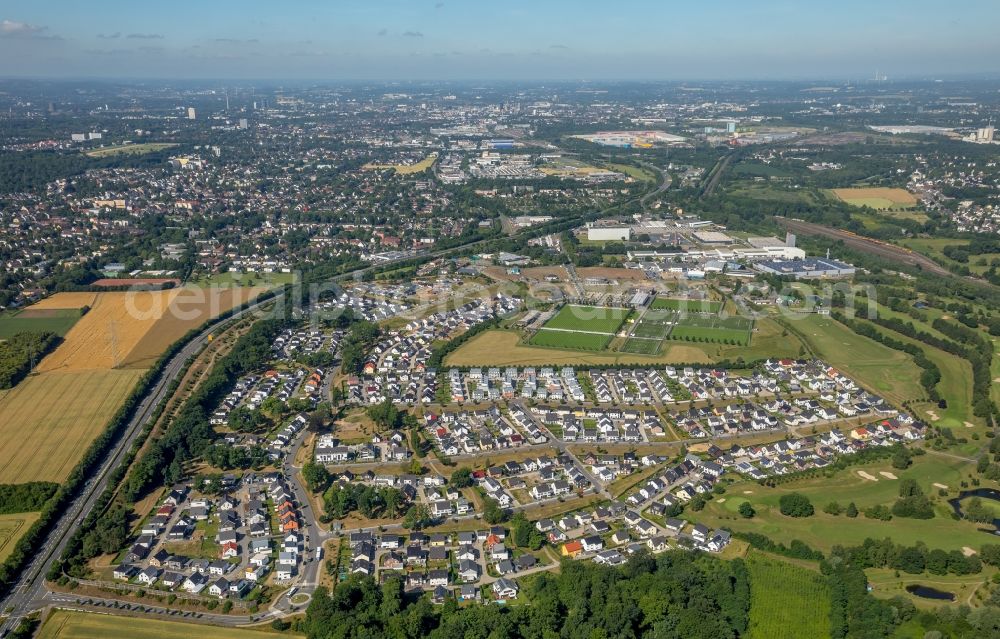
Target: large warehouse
x,y
810,267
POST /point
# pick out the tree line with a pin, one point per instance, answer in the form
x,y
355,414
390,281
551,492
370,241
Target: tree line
x,y
20,352
676,595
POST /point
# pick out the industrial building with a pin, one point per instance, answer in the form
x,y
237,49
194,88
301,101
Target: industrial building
x,y
597,232
813,267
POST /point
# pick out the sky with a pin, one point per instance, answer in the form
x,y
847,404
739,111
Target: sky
x,y
498,39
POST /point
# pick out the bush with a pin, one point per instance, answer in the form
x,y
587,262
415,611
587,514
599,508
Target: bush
x,y
795,505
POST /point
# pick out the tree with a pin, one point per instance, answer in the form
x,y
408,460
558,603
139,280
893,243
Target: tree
x,y
492,512
851,511
385,415
833,508
316,475
418,516
795,505
902,458
461,478
746,510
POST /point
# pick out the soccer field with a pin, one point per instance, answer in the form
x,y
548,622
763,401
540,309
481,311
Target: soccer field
x,y
689,306
570,339
716,329
595,319
642,346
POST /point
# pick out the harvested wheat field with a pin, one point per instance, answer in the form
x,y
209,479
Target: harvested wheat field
x,y
131,329
877,197
50,418
48,421
108,332
188,310
65,300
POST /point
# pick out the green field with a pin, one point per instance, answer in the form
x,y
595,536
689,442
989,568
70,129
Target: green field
x,y
73,624
658,316
57,321
596,319
882,370
823,531
689,306
641,346
649,329
570,339
710,328
786,601
129,149
244,279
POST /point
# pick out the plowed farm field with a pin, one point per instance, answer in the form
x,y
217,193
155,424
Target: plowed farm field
x,y
50,418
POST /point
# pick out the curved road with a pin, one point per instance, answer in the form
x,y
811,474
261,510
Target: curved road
x,y
28,591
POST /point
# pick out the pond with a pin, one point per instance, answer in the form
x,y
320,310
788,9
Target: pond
x,y
982,493
930,593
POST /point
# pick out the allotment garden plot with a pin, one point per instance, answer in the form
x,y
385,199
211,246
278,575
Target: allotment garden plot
x,y
581,327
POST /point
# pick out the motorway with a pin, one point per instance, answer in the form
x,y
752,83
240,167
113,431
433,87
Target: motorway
x,y
28,592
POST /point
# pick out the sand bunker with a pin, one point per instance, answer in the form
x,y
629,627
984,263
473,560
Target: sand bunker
x,y
941,486
887,475
863,475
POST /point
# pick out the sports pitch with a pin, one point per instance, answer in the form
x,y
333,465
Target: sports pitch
x,y
593,319
686,305
713,329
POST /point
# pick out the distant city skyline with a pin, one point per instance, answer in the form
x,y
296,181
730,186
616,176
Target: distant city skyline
x,y
512,40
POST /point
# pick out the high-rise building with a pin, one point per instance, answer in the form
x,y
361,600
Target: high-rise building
x,y
730,127
986,134
244,124
191,114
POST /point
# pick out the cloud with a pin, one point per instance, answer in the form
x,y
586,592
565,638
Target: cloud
x,y
144,36
438,5
110,36
412,34
558,46
382,32
236,41
15,29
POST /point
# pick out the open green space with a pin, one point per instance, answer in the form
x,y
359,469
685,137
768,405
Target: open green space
x,y
889,372
244,279
786,601
658,316
712,329
507,348
74,624
649,329
822,531
641,346
635,172
571,339
55,320
955,386
596,319
129,149
686,305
